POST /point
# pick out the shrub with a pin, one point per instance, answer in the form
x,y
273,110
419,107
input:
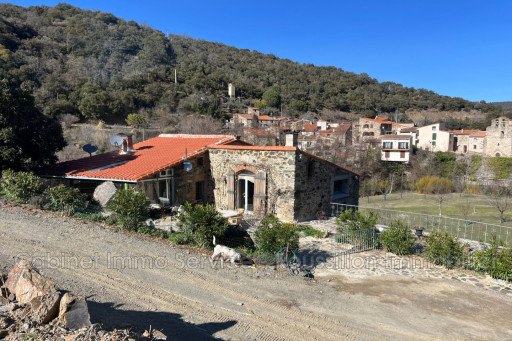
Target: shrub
x,y
200,223
130,208
399,239
272,235
65,199
493,260
500,167
20,186
443,249
434,185
310,232
355,220
178,238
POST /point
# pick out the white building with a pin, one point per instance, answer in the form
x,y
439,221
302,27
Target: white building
x,y
435,138
396,148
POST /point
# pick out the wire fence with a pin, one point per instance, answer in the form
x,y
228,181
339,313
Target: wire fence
x,y
461,228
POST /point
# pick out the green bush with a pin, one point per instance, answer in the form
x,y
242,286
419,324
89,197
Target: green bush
x,y
130,208
272,235
355,220
179,238
493,260
399,239
200,223
65,199
443,249
20,186
500,167
310,232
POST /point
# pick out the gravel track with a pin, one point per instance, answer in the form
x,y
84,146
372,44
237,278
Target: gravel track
x,y
134,281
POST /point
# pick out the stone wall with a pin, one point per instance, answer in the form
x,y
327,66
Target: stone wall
x,y
314,180
278,166
499,138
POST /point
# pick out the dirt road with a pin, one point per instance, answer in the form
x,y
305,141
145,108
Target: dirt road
x,y
133,281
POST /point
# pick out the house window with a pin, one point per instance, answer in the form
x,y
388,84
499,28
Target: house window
x,y
474,146
200,191
434,136
433,143
403,145
434,128
368,133
386,154
502,134
165,191
365,126
199,161
387,145
402,155
340,188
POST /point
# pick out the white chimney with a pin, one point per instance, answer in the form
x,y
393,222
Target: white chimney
x,y
292,140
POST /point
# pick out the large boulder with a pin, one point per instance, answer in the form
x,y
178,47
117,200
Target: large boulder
x,y
42,309
104,193
74,312
26,283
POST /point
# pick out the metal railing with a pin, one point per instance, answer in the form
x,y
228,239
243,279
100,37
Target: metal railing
x,y
461,228
361,240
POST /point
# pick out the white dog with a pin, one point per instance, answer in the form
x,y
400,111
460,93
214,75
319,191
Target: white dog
x,y
226,253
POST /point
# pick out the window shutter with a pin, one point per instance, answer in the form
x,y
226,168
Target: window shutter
x,y
260,191
231,190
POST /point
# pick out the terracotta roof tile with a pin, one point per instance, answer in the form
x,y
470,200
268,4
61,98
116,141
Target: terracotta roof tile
x,y
150,157
383,121
479,134
269,148
310,127
463,132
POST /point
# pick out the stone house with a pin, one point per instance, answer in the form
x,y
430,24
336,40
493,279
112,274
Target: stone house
x,y
172,169
370,129
477,142
499,138
282,180
461,140
396,148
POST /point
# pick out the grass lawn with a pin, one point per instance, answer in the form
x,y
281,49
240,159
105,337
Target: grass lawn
x,y
479,206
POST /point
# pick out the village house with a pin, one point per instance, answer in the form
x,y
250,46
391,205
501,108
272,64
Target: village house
x,y
172,169
499,138
396,148
435,138
477,142
461,140
371,129
260,137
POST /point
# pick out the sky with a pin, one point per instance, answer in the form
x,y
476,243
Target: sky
x,y
455,48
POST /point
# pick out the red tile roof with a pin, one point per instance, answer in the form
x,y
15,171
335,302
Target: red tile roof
x,y
383,121
310,127
150,157
479,134
258,132
268,118
246,116
463,132
269,148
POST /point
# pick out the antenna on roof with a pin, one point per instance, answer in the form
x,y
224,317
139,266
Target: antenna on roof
x,y
90,148
116,141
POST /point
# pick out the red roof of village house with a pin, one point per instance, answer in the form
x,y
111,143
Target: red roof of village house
x,y
268,118
246,116
269,148
383,121
310,127
479,134
149,157
463,132
258,132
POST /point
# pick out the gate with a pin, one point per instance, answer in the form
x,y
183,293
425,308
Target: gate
x,y
360,240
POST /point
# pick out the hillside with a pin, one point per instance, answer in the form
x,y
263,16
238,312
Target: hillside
x,y
504,105
97,66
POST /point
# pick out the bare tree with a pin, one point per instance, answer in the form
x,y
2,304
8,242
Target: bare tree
x,y
499,198
199,124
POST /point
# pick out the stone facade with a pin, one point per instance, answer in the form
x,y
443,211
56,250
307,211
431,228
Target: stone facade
x,y
499,138
288,183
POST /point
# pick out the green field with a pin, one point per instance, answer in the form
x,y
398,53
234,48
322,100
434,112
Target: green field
x,y
482,221
479,206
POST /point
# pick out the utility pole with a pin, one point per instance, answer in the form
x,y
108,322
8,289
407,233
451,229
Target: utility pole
x,y
175,76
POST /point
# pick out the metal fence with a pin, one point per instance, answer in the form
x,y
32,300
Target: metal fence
x,y
461,228
360,240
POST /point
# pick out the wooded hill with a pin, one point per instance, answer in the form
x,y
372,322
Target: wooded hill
x,y
97,66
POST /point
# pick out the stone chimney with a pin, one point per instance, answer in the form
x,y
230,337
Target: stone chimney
x,y
127,143
292,140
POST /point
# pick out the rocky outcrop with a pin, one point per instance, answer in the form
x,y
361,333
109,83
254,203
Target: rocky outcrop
x,y
25,283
